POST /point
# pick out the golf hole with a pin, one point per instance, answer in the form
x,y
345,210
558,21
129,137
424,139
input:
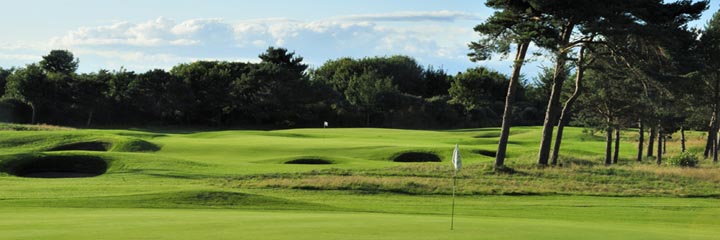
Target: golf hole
x,y
315,161
84,146
486,153
58,167
416,157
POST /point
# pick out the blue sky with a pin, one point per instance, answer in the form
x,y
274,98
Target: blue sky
x,y
142,35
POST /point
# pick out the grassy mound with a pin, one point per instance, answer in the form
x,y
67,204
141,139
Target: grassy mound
x,y
56,166
416,157
135,145
84,146
309,161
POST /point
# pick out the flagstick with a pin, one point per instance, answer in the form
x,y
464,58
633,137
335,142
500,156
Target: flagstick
x,y
457,164
452,218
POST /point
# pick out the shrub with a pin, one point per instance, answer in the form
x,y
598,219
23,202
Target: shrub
x,y
685,159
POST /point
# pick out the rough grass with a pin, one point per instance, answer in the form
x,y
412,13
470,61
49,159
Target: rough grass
x,y
25,127
479,179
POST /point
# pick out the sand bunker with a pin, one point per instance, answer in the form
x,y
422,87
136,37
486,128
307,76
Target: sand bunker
x,y
57,167
84,146
308,161
416,157
487,153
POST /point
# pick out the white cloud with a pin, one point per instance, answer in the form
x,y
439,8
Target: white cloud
x,y
440,38
434,16
24,57
131,56
184,42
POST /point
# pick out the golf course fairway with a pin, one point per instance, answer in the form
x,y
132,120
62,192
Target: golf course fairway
x,y
341,184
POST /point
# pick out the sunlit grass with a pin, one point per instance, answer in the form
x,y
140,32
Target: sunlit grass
x,y
199,180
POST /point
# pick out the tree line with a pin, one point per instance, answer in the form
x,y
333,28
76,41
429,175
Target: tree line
x,y
634,64
279,91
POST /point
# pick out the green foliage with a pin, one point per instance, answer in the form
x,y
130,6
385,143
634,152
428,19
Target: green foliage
x,y
370,93
685,159
4,73
30,85
478,88
282,57
209,82
405,72
275,90
437,82
60,61
391,91
160,95
27,84
367,89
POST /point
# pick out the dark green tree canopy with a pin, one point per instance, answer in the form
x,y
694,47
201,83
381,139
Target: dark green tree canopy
x,y
405,72
60,61
284,58
26,84
4,73
160,94
367,89
478,88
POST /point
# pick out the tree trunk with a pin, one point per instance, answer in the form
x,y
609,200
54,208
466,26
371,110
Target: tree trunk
x,y
558,140
509,99
664,144
608,146
714,148
554,101
716,144
33,119
710,137
651,141
641,141
565,115
708,144
713,132
617,145
89,120
659,146
682,139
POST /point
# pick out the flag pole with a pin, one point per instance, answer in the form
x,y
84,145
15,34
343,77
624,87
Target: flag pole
x,y
452,218
457,164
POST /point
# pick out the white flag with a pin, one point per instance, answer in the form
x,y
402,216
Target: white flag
x,y
456,161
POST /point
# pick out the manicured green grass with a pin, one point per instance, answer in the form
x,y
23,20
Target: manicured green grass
x,y
237,185
382,217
